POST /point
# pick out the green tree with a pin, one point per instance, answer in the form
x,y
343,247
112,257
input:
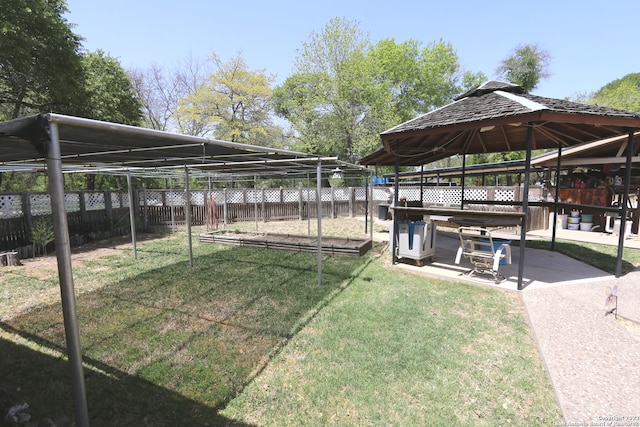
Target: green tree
x,y
345,91
235,102
623,93
109,94
40,65
526,66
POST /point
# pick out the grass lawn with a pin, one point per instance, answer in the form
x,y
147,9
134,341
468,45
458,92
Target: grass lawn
x,y
247,337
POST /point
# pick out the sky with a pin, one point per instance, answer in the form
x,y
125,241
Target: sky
x,y
591,42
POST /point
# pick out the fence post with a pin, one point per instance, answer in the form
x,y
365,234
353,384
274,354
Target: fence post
x,y
108,209
351,201
262,205
300,204
225,210
26,211
84,221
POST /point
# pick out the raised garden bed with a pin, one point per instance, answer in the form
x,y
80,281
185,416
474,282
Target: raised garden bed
x,y
290,242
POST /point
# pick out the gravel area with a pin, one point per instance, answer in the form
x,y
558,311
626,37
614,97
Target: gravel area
x,y
593,358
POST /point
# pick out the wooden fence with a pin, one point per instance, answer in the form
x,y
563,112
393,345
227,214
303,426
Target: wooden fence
x,y
97,215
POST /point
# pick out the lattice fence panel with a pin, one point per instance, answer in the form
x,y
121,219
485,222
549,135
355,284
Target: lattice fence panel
x,y
197,198
341,194
360,193
217,195
290,195
115,200
236,196
152,198
410,193
41,204
504,195
11,206
325,195
72,202
175,198
272,195
93,201
475,194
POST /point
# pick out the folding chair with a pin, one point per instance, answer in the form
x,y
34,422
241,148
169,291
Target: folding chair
x,y
477,245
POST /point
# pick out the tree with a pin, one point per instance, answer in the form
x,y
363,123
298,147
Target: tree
x,y
345,91
623,93
526,66
108,91
234,102
160,90
40,64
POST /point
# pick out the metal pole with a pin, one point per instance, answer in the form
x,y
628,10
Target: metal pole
x,y
525,205
132,217
395,214
173,218
625,202
464,167
255,199
65,275
188,213
555,200
319,212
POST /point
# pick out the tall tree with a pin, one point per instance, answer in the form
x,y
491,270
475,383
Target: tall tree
x,y
108,91
623,93
526,66
160,90
40,65
234,102
345,91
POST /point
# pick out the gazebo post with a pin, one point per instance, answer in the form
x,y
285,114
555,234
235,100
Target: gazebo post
x,y
625,202
65,275
525,205
463,179
556,198
395,204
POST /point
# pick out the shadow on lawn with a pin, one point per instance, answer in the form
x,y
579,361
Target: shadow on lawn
x,y
172,345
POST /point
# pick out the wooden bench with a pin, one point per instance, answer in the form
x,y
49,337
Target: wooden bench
x,y
477,245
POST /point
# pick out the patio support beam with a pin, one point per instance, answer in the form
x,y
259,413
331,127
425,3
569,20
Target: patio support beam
x,y
65,275
556,199
132,216
525,205
395,203
187,212
625,202
319,213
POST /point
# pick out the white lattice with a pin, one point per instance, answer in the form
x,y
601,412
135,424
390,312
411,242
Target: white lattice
x,y
253,196
197,198
341,194
94,201
504,195
72,202
271,195
40,204
125,200
475,194
217,195
409,193
175,198
290,195
308,195
10,206
236,196
360,193
325,195
152,198
115,200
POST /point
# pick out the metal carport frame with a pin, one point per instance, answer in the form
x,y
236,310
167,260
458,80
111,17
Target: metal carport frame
x,y
85,145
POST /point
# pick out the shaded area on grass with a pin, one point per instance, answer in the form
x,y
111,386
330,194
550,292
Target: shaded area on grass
x,y
159,329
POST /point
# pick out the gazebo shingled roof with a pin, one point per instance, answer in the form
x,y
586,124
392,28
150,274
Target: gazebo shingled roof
x,y
493,118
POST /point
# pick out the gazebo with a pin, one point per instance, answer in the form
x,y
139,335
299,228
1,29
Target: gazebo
x,y
500,117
